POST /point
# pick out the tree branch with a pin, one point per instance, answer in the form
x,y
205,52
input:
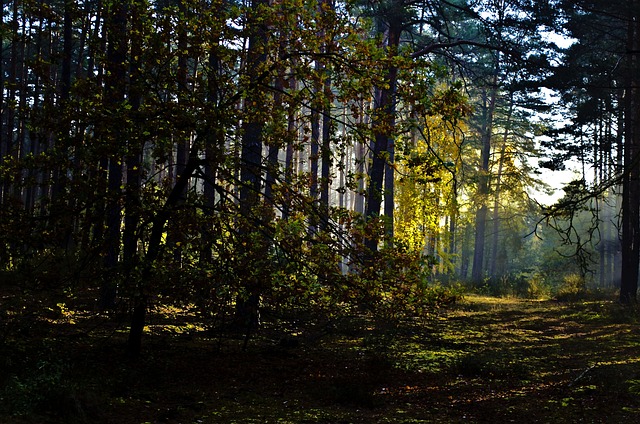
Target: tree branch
x,y
436,46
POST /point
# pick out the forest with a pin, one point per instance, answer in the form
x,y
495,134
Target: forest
x,y
438,196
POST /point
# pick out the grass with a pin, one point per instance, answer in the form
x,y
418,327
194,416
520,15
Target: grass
x,y
483,360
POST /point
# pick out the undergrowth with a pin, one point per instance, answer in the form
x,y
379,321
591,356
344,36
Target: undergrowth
x,y
482,359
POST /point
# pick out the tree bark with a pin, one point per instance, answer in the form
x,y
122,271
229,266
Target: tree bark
x,y
314,153
495,235
325,172
134,151
138,317
247,305
289,166
631,181
477,272
175,235
214,146
11,83
383,128
114,96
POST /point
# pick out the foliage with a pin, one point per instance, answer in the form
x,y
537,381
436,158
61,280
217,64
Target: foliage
x,y
40,387
573,287
426,164
399,284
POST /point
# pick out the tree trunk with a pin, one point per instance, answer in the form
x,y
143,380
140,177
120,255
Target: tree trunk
x,y
314,153
631,181
174,232
247,305
289,166
214,146
134,151
360,159
114,96
383,129
325,173
466,252
8,147
3,134
495,236
477,273
21,130
138,316
453,219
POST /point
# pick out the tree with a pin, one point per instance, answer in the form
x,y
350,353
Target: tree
x,y
486,133
115,92
599,73
251,159
631,177
390,21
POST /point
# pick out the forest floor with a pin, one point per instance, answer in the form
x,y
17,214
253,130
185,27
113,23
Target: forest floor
x,y
482,360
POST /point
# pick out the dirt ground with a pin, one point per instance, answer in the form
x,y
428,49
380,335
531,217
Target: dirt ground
x,y
482,360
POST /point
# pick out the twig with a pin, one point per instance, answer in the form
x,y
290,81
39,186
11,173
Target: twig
x,y
582,374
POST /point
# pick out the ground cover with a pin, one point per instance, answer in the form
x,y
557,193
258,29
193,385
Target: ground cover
x,y
482,360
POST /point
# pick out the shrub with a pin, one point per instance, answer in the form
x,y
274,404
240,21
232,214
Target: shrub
x,y
573,287
536,287
522,285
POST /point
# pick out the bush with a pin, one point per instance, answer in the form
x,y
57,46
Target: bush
x,y
522,285
536,287
573,287
398,283
41,388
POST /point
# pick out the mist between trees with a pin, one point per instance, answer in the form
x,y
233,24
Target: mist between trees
x,y
358,156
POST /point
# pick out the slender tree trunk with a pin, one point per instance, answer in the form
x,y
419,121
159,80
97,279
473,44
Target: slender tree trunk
x,y
477,273
96,211
47,139
465,254
3,104
138,318
11,95
314,153
114,96
495,236
175,234
453,218
134,151
389,202
214,146
495,233
383,131
342,167
21,130
325,173
631,181
94,41
67,50
289,166
360,159
274,146
63,136
272,171
247,306
35,174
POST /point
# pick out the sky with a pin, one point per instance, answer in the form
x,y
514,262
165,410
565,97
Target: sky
x,y
555,179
